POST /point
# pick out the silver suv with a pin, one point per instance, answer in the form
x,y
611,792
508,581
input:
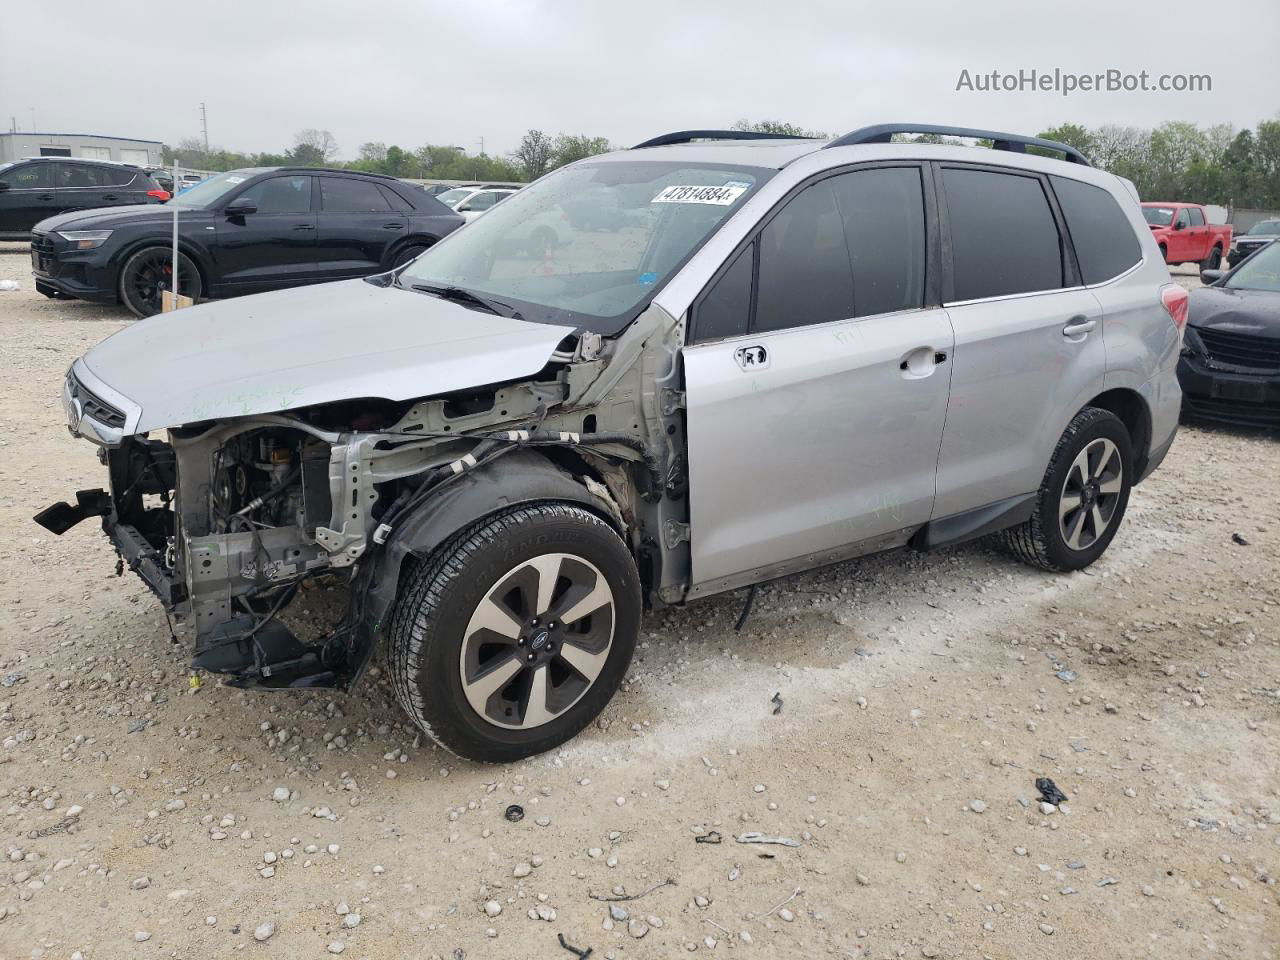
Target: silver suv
x,y
750,356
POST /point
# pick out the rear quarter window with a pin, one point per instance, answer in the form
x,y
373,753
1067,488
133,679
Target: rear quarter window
x,y
1100,232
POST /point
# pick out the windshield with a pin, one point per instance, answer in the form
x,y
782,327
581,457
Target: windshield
x,y
1259,272
454,197
203,195
1158,216
5,166
1262,227
588,244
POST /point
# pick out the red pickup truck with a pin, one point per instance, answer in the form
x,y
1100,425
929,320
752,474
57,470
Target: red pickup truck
x,y
1185,234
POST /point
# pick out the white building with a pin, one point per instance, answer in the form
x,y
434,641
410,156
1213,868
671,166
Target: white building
x,y
144,153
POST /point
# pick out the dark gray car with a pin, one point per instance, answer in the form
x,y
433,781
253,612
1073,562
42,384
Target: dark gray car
x,y
41,187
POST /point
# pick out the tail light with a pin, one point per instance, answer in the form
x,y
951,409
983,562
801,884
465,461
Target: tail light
x,y
161,195
1176,300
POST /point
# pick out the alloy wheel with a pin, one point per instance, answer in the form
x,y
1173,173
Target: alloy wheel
x,y
1090,494
537,641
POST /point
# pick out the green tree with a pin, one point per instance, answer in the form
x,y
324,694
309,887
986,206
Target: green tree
x,y
777,126
1073,135
533,156
313,148
568,148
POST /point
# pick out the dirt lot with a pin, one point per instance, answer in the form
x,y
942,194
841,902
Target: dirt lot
x,y
919,705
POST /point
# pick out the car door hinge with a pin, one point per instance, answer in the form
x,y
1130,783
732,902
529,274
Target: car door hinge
x,y
674,533
672,400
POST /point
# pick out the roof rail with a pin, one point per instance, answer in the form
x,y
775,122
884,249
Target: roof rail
x,y
686,136
883,133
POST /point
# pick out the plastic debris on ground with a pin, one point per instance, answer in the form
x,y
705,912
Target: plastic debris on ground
x,y
1049,792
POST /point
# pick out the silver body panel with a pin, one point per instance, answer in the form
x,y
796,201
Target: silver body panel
x,y
294,348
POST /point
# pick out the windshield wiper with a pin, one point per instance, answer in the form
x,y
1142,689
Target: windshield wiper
x,y
462,295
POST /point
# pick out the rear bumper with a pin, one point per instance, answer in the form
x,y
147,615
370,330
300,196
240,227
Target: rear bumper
x,y
1241,399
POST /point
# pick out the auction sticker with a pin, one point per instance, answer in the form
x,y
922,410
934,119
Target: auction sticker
x,y
719,196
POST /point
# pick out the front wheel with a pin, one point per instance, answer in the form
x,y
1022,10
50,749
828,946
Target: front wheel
x,y
514,635
149,272
1082,498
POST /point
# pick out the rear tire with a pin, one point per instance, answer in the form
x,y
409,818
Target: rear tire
x,y
1164,253
148,271
1213,260
475,660
1082,498
408,253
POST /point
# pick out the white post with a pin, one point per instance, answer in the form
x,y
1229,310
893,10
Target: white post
x,y
174,292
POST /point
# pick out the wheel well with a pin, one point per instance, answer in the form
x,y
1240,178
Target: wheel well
x,y
1133,413
417,240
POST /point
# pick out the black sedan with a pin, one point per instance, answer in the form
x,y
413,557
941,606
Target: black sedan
x,y
240,232
1230,365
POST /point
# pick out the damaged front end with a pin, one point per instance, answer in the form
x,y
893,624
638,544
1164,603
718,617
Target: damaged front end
x,y
227,519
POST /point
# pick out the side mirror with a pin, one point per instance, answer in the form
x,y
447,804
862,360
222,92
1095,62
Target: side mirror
x,y
240,208
463,208
1179,225
1211,276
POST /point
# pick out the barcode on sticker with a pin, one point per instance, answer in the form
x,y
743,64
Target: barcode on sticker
x,y
720,196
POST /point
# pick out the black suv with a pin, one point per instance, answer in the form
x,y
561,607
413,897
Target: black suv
x,y
245,231
31,190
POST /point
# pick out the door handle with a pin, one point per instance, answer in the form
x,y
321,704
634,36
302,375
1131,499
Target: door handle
x,y
1078,327
392,226
110,196
921,362
44,196
305,226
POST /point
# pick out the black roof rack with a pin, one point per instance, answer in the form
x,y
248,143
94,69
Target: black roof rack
x,y
883,133
686,136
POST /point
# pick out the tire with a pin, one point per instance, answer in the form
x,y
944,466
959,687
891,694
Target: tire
x,y
410,252
144,274
1213,260
1058,538
1164,253
460,664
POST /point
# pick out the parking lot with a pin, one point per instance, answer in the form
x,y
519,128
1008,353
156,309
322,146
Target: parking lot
x,y
889,717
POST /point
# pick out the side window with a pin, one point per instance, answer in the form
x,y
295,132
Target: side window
x,y
726,309
120,176
1003,236
1181,222
805,275
280,195
480,201
79,175
338,195
883,214
1197,218
1100,232
394,200
32,176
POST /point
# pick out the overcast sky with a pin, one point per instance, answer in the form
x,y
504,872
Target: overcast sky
x,y
410,73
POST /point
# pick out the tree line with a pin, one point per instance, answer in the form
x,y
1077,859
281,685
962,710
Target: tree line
x,y
538,153
1174,161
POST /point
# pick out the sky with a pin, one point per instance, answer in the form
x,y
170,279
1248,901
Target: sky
x,y
409,73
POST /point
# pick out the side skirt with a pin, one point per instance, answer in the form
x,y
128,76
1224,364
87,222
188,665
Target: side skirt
x,y
972,524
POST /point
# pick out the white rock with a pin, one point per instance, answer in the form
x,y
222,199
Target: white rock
x,y
351,920
977,806
493,908
142,936
280,794
337,946
786,915
522,870
265,931
1046,929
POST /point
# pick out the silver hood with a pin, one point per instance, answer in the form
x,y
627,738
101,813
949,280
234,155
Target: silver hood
x,y
293,348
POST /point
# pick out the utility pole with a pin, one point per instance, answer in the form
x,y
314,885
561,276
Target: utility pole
x,y
204,126
33,119
482,146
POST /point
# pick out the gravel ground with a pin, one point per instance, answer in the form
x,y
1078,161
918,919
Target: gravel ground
x,y
143,815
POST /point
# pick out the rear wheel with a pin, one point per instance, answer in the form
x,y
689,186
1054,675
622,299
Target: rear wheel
x,y
513,636
149,272
1213,260
408,253
1164,253
1082,498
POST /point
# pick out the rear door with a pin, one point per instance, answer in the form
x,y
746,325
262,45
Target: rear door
x,y
1028,336
84,186
356,224
816,381
29,197
276,245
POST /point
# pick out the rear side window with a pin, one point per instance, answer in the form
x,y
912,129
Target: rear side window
x,y
280,195
1003,236
85,175
394,200
726,309
805,275
1100,232
1197,218
351,196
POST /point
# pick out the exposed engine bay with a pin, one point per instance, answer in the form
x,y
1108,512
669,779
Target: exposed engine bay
x,y
225,520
